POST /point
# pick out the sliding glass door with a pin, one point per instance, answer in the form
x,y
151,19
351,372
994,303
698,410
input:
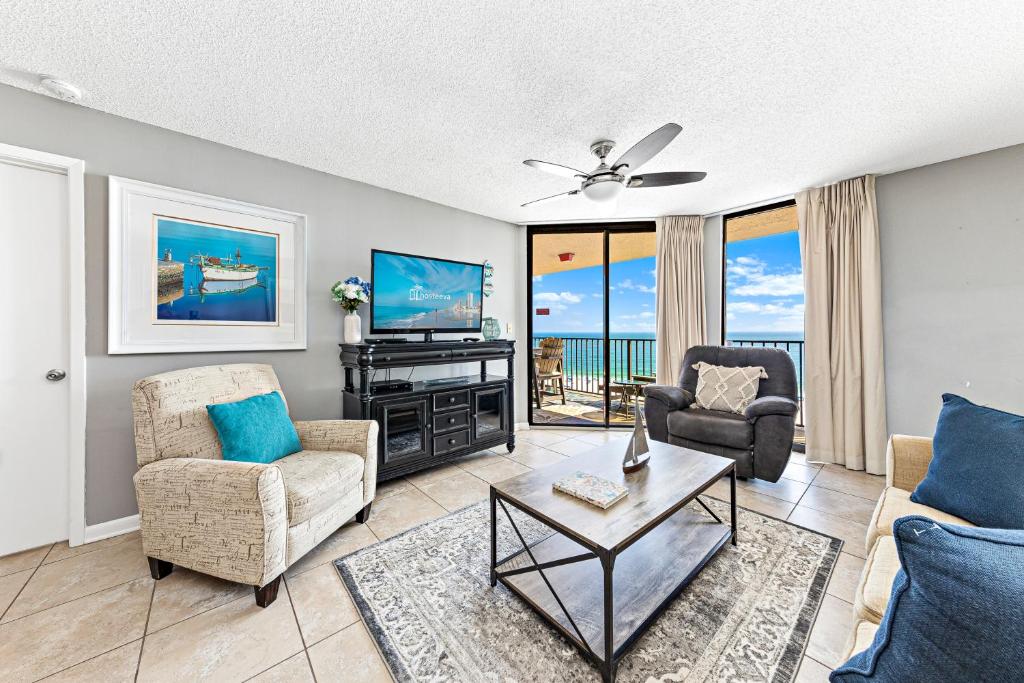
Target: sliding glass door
x,y
591,322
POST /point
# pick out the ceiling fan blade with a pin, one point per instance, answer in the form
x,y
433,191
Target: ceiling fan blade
x,y
643,151
554,196
557,169
663,179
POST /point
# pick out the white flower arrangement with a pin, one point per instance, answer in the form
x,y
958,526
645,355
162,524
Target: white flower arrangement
x,y
351,294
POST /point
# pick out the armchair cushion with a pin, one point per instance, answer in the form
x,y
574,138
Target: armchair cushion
x,y
255,429
674,398
352,436
316,480
711,427
227,519
770,405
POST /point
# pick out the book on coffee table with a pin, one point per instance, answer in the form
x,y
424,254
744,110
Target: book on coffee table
x,y
591,488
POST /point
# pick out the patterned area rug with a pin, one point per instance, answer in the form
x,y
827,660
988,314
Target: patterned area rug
x,y
426,598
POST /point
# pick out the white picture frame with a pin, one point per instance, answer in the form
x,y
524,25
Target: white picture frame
x,y
166,301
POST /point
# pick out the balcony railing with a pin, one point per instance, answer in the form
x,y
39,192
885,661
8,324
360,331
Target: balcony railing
x,y
583,361
795,349
632,359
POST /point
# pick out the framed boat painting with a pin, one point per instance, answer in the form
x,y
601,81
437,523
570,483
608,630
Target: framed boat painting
x,y
191,272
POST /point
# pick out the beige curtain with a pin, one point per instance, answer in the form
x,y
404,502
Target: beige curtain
x,y
681,317
844,384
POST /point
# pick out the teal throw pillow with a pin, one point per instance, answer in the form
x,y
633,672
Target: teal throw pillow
x,y
256,429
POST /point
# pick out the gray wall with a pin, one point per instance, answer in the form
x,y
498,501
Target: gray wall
x,y
346,219
952,243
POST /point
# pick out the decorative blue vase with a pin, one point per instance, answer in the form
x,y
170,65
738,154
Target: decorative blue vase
x,y
491,328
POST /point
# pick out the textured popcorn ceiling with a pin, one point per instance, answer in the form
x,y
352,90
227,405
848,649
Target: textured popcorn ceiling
x,y
443,100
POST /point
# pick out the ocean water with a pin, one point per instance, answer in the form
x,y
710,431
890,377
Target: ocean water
x,y
634,353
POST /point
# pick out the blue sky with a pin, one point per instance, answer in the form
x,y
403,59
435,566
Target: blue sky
x,y
576,301
764,289
764,292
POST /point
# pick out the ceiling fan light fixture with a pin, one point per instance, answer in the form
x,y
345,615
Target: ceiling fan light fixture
x,y
602,190
605,183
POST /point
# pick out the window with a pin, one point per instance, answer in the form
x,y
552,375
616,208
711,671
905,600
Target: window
x,y
763,297
591,298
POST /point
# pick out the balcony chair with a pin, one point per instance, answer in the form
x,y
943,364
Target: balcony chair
x,y
547,367
760,440
241,521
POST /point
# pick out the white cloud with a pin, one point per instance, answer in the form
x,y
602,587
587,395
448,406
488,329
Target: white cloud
x,y
774,317
538,278
638,316
566,297
750,276
629,284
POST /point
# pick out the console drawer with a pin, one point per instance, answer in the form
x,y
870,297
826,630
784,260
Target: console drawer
x,y
446,422
450,441
451,399
381,358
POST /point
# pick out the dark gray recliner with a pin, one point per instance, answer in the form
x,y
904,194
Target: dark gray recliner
x,y
760,440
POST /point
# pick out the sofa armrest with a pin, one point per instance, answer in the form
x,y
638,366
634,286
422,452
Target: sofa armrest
x,y
674,398
906,461
770,405
354,436
218,517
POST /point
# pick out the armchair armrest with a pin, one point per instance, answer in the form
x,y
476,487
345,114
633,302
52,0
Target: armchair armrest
x,y
674,398
906,461
218,517
354,436
770,405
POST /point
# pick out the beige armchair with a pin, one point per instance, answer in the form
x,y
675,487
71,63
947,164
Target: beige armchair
x,y
244,522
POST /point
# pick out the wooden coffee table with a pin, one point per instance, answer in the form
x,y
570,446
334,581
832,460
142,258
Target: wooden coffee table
x,y
604,576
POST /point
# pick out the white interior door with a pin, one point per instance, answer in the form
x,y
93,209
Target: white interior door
x,y
34,439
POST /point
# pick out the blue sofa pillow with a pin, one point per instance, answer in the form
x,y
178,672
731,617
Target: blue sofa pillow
x,y
256,429
956,613
977,466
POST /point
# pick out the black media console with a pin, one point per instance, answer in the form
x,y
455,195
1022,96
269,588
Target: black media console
x,y
430,422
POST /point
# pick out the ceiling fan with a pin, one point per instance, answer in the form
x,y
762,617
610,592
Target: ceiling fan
x,y
605,182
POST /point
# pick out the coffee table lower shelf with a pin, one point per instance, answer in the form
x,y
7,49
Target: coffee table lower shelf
x,y
640,583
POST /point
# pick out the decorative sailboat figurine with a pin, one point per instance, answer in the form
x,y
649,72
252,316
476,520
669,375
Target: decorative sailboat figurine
x,y
637,453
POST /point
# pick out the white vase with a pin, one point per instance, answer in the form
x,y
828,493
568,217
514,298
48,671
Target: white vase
x,y
353,328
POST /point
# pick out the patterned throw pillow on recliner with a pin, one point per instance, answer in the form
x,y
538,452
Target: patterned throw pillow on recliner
x,y
727,389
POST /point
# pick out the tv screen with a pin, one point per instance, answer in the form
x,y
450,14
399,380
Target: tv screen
x,y
421,294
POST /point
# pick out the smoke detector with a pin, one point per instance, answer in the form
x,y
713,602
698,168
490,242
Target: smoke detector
x,y
61,89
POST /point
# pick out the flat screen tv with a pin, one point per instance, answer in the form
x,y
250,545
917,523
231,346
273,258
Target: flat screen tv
x,y
423,294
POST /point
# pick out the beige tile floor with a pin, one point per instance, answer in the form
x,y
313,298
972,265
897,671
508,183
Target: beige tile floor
x,y
93,613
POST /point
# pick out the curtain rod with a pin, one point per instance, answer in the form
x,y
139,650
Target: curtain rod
x,y
752,205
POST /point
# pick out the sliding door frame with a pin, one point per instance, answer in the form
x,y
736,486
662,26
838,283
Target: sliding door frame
x,y
605,230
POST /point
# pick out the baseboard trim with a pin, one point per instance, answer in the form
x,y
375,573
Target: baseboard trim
x,y
115,527
522,426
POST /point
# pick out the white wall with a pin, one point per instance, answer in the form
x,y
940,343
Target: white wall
x,y
952,244
346,220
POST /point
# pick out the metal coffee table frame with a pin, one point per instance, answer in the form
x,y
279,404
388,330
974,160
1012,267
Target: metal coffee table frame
x,y
607,662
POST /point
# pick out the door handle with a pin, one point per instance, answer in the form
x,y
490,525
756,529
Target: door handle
x,y
56,375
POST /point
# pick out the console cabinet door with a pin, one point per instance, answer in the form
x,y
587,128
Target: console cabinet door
x,y
403,430
489,413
